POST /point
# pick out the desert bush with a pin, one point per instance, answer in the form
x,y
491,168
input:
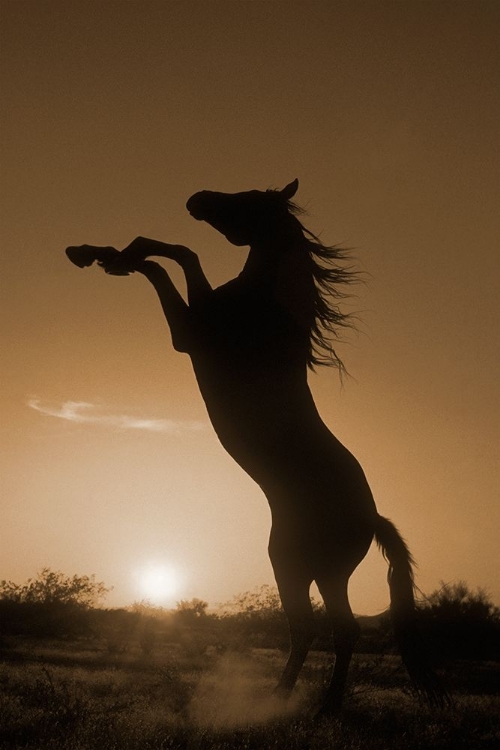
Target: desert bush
x,y
192,611
462,623
456,621
256,618
51,604
52,586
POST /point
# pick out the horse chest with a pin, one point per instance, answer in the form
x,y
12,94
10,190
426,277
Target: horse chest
x,y
243,324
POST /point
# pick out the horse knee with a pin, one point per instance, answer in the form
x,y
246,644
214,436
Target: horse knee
x,y
182,338
181,344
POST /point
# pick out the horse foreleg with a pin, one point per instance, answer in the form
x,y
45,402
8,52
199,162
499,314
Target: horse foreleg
x,y
142,248
175,309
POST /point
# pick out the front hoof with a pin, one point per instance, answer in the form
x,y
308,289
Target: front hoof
x,y
115,269
80,256
84,255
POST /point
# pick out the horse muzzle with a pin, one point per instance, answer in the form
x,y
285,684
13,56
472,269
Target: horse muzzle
x,y
197,203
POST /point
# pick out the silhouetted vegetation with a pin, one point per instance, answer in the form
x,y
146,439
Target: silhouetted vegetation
x,y
76,675
458,623
51,586
464,624
52,604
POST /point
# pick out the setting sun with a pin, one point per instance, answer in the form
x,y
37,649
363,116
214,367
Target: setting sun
x,y
158,583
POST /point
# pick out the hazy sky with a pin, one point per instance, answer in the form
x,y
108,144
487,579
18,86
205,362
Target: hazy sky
x,y
114,114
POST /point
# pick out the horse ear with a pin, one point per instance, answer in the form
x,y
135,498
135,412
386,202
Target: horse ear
x,y
289,190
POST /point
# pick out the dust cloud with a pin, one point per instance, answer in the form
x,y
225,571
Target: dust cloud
x,y
238,693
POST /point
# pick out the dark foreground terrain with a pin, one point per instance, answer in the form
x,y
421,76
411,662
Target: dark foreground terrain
x,y
77,696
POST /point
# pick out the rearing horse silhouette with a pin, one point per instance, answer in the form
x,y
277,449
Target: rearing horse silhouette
x,y
251,342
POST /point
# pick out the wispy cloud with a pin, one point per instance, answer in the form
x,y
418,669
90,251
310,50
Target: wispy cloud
x,y
83,412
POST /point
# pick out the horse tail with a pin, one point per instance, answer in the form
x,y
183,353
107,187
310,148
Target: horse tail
x,y
403,613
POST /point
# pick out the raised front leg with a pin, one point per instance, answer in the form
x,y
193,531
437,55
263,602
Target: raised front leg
x,y
128,260
177,312
179,316
141,248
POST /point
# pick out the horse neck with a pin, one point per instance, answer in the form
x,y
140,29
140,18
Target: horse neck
x,y
261,264
285,272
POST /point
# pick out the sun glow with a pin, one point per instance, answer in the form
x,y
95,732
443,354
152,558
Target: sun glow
x,y
158,583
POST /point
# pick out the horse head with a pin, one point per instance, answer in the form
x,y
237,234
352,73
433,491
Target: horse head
x,y
246,218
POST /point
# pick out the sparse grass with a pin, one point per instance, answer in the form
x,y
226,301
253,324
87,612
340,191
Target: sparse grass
x,y
68,696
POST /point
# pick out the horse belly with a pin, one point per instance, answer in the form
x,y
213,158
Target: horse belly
x,y
319,549
323,513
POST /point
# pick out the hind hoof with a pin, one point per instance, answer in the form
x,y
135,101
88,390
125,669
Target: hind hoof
x,y
327,713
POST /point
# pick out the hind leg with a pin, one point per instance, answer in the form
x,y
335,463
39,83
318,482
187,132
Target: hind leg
x,y
294,593
345,632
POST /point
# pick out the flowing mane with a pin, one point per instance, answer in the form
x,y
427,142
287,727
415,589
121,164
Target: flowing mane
x,y
330,279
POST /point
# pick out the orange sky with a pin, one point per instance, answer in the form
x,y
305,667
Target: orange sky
x,y
116,112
